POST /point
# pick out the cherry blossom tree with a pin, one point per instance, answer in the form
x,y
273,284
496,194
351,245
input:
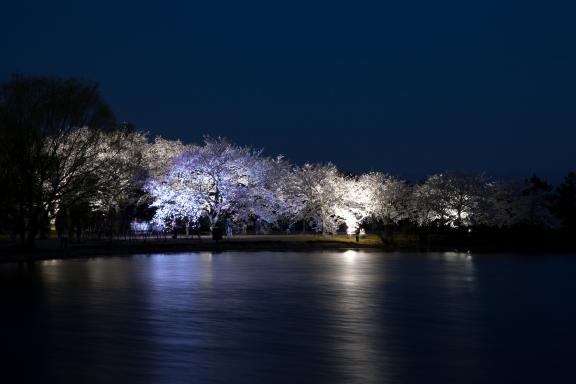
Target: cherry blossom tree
x,y
320,194
173,200
269,197
159,155
356,201
452,199
212,180
121,170
388,198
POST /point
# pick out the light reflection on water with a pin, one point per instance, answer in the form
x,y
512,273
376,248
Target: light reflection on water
x,y
290,317
357,324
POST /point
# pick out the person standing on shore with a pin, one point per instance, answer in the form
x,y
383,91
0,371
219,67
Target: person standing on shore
x,y
62,229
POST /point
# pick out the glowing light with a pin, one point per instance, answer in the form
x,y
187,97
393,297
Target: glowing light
x,y
350,256
140,226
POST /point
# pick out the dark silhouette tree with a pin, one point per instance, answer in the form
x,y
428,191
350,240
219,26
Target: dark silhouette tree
x,y
534,206
565,202
45,159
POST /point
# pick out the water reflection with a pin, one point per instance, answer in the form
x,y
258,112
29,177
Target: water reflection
x,y
334,317
358,328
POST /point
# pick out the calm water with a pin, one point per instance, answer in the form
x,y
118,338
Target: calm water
x,y
329,317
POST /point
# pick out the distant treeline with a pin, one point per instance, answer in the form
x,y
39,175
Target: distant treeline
x,y
67,165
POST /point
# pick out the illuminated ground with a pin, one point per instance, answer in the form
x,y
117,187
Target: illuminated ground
x,y
49,249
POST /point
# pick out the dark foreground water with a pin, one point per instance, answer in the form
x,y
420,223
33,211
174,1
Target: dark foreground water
x,y
329,317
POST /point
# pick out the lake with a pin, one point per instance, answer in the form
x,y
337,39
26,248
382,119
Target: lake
x,y
287,317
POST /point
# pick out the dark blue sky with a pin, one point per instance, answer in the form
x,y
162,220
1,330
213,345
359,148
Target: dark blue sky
x,y
408,87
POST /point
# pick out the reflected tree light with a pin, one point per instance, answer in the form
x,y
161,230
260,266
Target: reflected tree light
x,y
350,256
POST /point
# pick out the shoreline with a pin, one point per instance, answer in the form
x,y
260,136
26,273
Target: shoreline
x,y
125,248
117,248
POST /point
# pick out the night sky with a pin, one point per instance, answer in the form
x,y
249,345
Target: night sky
x,y
410,87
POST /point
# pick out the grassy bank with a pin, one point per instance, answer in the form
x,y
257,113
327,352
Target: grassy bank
x,y
50,249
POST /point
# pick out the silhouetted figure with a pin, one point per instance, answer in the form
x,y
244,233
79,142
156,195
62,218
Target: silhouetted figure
x,y
228,228
62,229
357,235
217,233
78,232
64,239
